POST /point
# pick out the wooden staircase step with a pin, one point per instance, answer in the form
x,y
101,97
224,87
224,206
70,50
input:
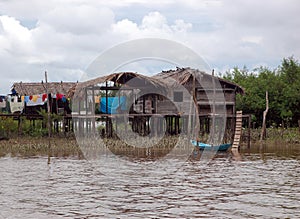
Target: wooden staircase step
x,y
238,129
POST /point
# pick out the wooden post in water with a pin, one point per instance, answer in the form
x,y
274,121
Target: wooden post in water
x,y
214,109
263,128
249,131
85,121
19,125
93,112
48,118
106,110
196,105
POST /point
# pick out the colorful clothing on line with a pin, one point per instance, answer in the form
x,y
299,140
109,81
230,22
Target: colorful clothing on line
x,y
35,100
16,106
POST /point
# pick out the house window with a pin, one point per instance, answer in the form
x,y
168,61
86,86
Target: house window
x,y
178,96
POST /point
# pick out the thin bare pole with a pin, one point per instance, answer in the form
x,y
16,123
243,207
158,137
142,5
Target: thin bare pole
x,y
196,117
190,125
263,128
214,108
48,118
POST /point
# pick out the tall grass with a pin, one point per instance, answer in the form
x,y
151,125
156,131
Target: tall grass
x,y
290,135
11,127
33,146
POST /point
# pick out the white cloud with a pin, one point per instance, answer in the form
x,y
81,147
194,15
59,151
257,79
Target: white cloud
x,y
181,26
13,28
126,27
154,24
15,37
201,5
65,36
79,19
252,39
154,20
32,9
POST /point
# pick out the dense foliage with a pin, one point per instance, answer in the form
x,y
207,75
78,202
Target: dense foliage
x,y
283,86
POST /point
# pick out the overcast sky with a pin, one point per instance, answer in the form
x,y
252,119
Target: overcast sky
x,y
65,36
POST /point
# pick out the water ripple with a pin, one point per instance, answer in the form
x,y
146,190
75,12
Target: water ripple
x,y
224,188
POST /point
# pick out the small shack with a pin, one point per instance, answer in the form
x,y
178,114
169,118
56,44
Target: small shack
x,y
154,104
214,97
33,96
30,100
116,95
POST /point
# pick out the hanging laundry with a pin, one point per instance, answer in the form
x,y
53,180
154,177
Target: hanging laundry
x,y
97,99
26,99
16,107
44,97
113,105
34,100
2,102
59,96
13,91
14,99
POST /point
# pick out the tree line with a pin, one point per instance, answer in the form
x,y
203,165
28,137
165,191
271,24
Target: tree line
x,y
283,86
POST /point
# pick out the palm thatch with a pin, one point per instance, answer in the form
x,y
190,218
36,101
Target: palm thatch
x,y
179,76
131,79
34,88
135,80
164,80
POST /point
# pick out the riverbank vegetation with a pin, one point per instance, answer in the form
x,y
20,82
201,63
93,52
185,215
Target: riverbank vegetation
x,y
18,126
27,146
275,135
283,86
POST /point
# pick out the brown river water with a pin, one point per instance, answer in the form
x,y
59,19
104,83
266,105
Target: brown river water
x,y
263,182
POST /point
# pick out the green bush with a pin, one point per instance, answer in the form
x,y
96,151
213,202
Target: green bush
x,y
8,126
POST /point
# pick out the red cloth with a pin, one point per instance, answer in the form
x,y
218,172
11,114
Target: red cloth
x,y
59,96
44,97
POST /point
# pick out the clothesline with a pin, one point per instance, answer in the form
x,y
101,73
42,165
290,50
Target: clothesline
x,y
40,99
32,100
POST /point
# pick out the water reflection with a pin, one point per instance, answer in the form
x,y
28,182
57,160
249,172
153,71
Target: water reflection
x,y
280,150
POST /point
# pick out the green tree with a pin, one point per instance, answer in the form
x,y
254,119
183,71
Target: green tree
x,y
290,105
283,86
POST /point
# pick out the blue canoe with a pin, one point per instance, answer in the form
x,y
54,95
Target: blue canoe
x,y
202,146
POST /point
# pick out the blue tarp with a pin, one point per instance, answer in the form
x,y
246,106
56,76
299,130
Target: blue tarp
x,y
114,104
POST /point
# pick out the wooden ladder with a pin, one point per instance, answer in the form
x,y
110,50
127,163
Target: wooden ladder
x,y
238,130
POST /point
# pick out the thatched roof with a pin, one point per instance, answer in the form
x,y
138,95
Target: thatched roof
x,y
163,80
183,76
135,80
34,88
131,79
179,76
